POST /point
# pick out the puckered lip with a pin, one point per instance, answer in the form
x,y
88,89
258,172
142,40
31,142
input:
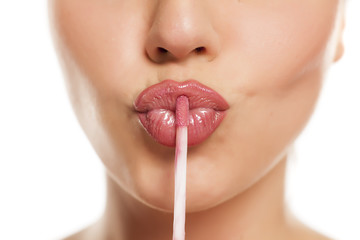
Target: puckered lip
x,y
164,94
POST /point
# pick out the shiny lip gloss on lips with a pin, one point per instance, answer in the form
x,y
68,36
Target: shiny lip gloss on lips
x,y
156,110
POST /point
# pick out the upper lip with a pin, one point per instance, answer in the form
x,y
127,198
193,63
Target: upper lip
x,y
164,94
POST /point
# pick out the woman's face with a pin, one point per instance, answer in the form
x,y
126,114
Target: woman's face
x,y
267,58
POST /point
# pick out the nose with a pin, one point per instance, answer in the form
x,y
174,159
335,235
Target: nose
x,y
181,29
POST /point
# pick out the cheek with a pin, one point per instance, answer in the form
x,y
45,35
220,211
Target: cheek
x,y
275,58
276,44
99,39
99,48
280,53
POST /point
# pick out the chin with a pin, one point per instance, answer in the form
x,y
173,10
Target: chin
x,y
198,197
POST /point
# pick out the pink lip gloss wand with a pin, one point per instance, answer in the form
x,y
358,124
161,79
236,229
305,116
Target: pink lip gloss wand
x,y
182,122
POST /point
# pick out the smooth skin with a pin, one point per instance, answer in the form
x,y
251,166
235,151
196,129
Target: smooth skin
x,y
267,58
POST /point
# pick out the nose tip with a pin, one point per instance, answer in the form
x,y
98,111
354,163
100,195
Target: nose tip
x,y
180,31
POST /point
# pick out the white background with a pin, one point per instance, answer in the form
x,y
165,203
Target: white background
x,y
52,183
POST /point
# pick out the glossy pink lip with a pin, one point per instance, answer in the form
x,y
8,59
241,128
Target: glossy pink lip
x,y
156,110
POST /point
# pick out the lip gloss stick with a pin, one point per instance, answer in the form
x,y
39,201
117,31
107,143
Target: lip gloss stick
x,y
182,122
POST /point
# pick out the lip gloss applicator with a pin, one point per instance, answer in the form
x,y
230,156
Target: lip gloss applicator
x,y
182,122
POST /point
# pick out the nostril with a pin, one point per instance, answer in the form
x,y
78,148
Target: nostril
x,y
162,50
199,49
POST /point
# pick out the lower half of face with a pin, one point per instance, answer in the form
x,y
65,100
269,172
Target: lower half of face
x,y
267,58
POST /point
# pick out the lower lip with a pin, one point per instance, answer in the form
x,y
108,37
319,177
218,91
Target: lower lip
x,y
160,124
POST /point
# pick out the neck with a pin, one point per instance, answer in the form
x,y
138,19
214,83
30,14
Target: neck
x,y
257,213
